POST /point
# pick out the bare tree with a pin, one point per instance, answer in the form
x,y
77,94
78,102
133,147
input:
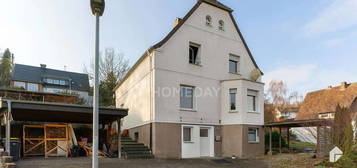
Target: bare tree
x,y
112,62
280,99
112,69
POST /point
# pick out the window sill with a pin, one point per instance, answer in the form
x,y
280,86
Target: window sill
x,y
233,111
199,65
189,142
253,142
254,112
235,73
188,110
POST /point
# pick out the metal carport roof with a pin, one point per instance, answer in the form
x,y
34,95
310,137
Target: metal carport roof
x,y
55,112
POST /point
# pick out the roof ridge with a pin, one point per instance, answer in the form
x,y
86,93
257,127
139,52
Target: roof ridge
x,y
52,69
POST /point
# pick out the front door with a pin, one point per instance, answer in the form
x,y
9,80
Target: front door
x,y
204,142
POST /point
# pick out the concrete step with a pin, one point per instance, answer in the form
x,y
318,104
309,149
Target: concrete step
x,y
140,156
144,148
134,150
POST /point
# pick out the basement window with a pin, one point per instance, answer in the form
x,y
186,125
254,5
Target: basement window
x,y
194,57
253,135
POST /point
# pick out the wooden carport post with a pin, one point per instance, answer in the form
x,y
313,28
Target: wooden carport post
x,y
8,127
280,139
288,138
270,141
119,139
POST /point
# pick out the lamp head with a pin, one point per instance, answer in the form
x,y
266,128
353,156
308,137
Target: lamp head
x,y
97,7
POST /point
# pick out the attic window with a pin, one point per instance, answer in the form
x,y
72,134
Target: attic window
x,y
194,54
221,25
208,20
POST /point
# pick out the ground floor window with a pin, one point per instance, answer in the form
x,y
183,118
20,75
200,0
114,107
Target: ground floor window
x,y
253,135
187,134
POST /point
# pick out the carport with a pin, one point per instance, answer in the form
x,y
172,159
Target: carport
x,y
321,124
26,111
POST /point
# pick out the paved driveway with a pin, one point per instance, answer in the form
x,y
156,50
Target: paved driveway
x,y
153,163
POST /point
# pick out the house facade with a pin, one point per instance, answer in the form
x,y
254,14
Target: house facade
x,y
198,92
46,80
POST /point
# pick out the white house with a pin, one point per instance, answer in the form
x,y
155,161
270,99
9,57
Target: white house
x,y
198,92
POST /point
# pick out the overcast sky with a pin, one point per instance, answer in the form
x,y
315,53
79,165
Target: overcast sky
x,y
308,44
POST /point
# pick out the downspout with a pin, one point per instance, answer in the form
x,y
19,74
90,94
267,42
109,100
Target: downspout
x,y
151,102
8,127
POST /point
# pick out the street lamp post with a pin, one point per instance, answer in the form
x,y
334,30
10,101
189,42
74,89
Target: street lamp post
x,y
97,7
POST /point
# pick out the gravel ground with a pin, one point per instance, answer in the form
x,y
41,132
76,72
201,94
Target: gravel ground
x,y
153,163
276,161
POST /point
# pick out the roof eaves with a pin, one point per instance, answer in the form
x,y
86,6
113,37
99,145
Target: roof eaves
x,y
245,43
218,4
159,44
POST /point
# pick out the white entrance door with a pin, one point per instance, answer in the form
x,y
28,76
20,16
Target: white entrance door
x,y
204,142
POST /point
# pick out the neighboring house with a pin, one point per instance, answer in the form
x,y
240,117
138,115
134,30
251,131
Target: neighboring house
x,y
323,103
43,79
289,113
194,93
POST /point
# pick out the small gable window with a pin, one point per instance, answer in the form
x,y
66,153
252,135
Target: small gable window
x,y
208,20
221,25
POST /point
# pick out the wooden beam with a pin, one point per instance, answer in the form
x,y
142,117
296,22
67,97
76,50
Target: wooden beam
x,y
270,141
280,139
288,138
119,139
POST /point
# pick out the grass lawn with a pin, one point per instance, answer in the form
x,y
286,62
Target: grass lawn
x,y
302,145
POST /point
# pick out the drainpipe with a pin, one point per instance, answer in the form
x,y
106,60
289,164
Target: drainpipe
x,y
151,99
8,127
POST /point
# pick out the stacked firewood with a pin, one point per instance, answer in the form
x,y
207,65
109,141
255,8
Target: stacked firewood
x,y
6,160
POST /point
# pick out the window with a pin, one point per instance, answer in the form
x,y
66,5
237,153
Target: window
x,y
20,84
49,81
32,87
232,99
187,134
252,100
221,25
186,97
234,63
253,135
56,81
208,20
203,132
194,54
63,82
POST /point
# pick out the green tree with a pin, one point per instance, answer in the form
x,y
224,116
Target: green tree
x,y
342,129
6,64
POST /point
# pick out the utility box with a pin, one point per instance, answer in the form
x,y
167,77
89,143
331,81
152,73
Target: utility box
x,y
335,154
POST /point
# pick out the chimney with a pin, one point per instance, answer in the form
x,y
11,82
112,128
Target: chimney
x,y
43,66
329,87
343,86
177,21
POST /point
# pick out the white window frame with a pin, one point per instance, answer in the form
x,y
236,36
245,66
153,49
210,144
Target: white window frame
x,y
255,102
193,99
197,61
191,134
256,135
209,21
18,83
236,59
32,84
221,25
232,90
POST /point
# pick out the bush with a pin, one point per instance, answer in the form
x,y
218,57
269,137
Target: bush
x,y
275,140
